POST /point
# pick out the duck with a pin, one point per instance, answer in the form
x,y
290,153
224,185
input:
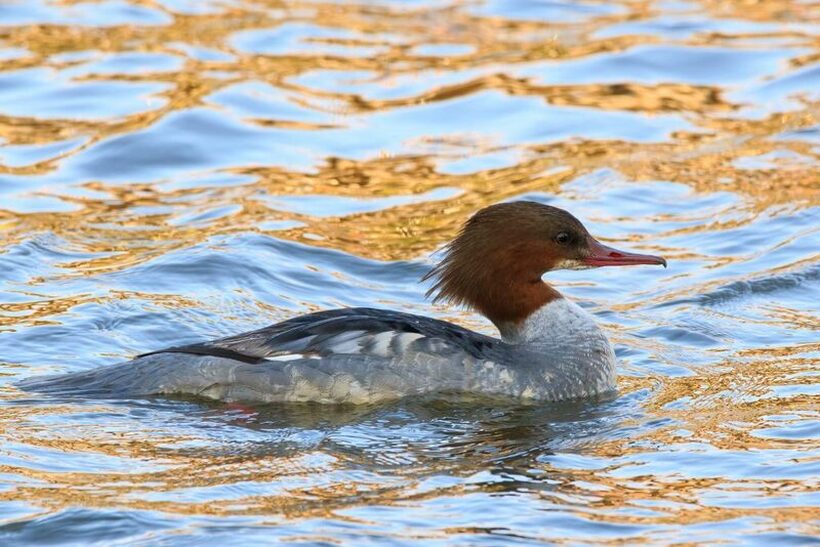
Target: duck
x,y
549,349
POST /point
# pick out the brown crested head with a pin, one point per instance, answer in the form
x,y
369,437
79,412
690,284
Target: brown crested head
x,y
495,263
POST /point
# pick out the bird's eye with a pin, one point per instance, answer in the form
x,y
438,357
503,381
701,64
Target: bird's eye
x,y
562,238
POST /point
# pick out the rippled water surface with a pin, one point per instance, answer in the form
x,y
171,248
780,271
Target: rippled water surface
x,y
175,170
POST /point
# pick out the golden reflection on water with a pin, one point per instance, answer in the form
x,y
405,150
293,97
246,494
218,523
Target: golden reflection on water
x,y
121,225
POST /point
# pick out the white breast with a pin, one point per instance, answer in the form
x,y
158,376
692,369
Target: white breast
x,y
555,321
576,358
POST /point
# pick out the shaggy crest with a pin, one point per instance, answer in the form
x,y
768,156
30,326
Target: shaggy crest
x,y
495,263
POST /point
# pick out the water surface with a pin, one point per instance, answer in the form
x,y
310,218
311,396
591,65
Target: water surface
x,y
177,170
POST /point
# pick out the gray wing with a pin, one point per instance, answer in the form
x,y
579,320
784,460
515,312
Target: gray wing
x,y
348,331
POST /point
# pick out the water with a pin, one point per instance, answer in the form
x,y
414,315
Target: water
x,y
176,170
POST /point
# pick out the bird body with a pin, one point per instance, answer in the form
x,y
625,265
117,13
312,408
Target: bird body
x,y
550,348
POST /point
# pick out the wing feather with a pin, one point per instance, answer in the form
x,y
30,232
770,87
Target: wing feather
x,y
363,331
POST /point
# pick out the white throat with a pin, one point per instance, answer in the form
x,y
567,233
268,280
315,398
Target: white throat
x,y
558,321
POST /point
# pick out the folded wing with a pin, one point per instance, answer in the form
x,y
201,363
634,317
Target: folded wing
x,y
348,331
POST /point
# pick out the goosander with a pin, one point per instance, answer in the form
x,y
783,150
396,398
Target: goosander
x,y
550,349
